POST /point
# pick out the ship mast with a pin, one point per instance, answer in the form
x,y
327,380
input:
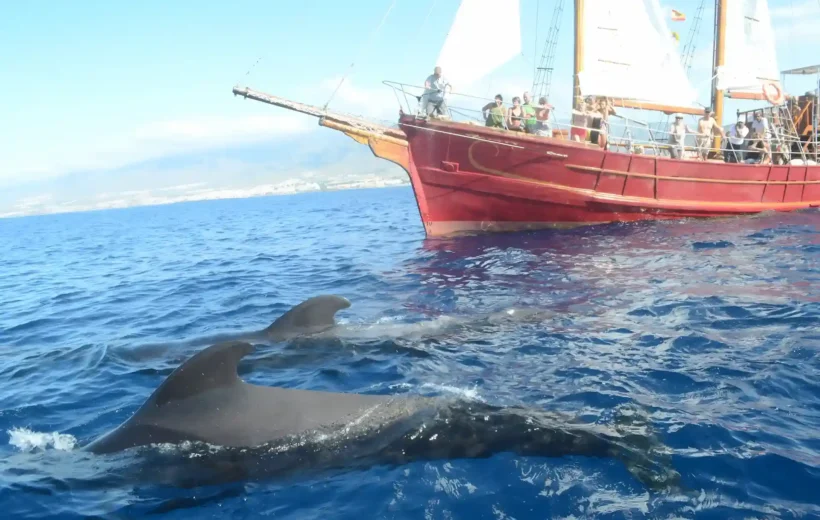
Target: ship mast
x,y
718,62
579,53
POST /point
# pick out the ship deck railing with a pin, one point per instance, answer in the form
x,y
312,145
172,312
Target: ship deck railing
x,y
623,133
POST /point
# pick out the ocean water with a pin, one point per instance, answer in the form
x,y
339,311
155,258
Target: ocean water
x,y
702,336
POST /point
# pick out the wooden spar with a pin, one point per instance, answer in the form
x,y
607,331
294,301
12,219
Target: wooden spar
x,y
757,96
666,109
720,57
579,54
312,110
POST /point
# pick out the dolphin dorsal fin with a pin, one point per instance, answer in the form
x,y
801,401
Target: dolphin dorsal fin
x,y
313,314
214,367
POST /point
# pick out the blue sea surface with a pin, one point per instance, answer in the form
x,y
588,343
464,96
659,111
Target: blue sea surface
x,y
707,331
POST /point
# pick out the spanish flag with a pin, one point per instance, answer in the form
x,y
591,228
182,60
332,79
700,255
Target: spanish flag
x,y
678,16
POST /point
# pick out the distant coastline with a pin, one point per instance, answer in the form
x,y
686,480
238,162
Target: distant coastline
x,y
44,205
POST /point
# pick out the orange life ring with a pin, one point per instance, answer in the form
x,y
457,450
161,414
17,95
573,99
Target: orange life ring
x,y
773,99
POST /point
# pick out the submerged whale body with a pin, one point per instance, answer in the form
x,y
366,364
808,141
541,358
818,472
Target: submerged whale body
x,y
280,430
316,318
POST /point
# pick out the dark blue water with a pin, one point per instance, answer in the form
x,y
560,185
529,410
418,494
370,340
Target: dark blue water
x,y
710,329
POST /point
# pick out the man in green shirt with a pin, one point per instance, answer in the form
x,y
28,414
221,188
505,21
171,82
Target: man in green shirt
x,y
529,114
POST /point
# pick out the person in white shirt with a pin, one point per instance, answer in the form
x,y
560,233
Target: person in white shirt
x,y
760,126
435,88
677,137
736,143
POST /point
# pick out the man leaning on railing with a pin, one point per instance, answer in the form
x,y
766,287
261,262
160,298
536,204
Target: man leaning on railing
x,y
736,143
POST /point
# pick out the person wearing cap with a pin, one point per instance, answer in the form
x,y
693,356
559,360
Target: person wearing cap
x,y
677,136
707,126
736,143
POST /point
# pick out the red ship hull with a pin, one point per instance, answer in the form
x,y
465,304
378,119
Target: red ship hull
x,y
470,178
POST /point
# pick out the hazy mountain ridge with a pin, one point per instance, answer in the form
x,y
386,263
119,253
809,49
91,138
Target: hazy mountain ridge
x,y
320,160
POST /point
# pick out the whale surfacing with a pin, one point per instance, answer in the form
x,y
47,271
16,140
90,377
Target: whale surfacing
x,y
205,400
312,316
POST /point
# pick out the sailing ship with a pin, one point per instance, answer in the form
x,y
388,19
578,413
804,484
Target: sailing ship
x,y
470,178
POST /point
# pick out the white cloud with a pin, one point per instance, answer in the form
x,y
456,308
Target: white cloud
x,y
796,24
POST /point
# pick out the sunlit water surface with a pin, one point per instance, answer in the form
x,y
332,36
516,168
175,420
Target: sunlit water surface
x,y
711,329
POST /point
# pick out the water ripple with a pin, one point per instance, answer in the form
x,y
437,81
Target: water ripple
x,y
710,327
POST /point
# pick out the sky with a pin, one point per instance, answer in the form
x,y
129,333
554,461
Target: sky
x,y
97,86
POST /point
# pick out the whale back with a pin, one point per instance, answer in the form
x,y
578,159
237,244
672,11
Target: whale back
x,y
312,315
214,367
210,369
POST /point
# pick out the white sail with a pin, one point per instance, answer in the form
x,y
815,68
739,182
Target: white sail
x,y
750,59
629,52
485,34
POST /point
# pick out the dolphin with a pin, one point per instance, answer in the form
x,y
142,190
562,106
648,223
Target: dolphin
x,y
204,401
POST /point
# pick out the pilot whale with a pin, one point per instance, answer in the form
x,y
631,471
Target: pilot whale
x,y
315,319
310,317
204,401
313,316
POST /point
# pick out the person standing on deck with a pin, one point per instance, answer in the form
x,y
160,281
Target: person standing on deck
x,y
607,109
677,137
435,88
494,112
542,116
595,118
736,143
707,126
530,121
515,116
580,120
760,126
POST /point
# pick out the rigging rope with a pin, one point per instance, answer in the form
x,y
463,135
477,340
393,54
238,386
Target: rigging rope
x,y
384,19
250,69
424,23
